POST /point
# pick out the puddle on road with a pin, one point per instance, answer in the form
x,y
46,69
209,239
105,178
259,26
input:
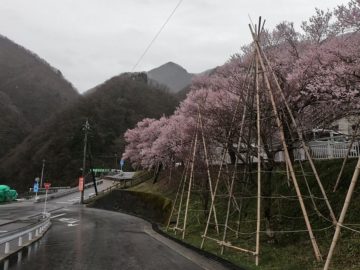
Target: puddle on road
x,y
15,260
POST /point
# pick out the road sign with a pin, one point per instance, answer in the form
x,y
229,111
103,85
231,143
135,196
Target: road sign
x,y
36,187
37,179
81,183
122,162
47,186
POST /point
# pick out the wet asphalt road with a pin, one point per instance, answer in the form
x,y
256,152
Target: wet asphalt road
x,y
85,238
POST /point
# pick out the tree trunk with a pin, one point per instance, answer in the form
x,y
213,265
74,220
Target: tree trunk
x,y
232,155
205,197
157,173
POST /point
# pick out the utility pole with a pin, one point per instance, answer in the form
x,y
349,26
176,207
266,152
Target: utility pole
x,y
92,172
42,173
86,128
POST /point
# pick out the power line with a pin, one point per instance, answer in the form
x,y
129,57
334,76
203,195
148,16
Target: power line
x,y
156,36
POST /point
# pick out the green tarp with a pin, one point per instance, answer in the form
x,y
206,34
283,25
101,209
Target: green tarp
x,y
7,194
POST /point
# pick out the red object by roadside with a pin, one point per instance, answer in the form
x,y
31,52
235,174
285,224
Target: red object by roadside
x,y
81,183
47,185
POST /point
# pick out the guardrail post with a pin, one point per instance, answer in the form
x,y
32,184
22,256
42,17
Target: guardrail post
x,y
30,236
7,248
36,233
20,241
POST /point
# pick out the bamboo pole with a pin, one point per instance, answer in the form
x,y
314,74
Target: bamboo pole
x,y
287,156
208,169
308,188
298,131
227,244
213,200
287,174
182,183
342,215
346,157
185,179
258,213
190,180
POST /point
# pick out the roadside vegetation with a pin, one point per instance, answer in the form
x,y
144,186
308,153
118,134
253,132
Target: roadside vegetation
x,y
290,250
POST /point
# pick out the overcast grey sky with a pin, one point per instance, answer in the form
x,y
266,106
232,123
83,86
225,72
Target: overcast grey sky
x,y
93,40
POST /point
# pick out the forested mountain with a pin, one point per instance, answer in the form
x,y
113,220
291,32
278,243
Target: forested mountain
x,y
172,75
30,92
112,108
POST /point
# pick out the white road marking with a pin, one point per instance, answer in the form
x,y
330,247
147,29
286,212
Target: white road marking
x,y
69,221
64,202
3,231
72,225
58,215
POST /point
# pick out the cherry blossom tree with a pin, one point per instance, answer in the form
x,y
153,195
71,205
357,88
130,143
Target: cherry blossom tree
x,y
348,16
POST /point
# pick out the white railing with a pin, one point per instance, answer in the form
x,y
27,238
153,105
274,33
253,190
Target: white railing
x,y
14,240
329,150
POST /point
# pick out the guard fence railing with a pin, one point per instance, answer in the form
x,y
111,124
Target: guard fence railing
x,y
124,183
14,240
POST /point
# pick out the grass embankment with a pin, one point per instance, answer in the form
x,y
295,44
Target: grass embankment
x,y
290,248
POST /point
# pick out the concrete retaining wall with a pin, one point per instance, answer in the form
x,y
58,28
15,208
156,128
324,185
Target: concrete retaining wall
x,y
149,206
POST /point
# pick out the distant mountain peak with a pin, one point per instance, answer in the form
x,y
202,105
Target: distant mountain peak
x,y
172,75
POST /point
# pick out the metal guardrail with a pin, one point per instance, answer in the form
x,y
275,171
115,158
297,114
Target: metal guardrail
x,y
68,192
23,236
329,150
124,183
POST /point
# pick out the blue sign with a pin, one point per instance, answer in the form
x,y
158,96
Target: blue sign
x,y
122,162
36,187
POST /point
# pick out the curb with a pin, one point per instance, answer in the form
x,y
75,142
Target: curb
x,y
202,252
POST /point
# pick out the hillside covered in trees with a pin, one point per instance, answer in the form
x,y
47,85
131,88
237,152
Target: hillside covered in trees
x,y
30,92
112,108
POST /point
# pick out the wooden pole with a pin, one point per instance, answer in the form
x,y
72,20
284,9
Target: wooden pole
x,y
287,156
208,168
287,173
183,177
258,211
190,180
181,198
213,200
308,188
346,157
342,215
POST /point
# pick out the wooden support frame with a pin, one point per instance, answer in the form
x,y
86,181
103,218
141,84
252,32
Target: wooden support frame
x,y
343,214
192,162
286,152
346,157
269,69
208,168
